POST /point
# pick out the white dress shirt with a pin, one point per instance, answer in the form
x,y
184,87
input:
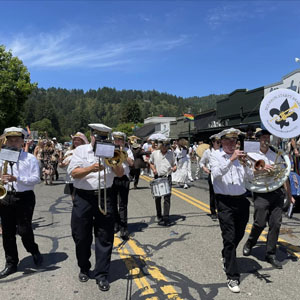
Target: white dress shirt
x,y
163,162
205,159
125,164
83,156
27,172
228,177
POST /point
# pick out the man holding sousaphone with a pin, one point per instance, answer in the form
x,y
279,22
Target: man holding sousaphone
x,y
162,164
268,200
93,180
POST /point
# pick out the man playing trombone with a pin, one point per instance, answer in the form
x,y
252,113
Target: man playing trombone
x,y
86,216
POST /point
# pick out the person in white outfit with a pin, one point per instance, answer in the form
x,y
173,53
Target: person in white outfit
x,y
181,155
205,165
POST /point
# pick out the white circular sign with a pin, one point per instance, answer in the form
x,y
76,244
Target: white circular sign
x,y
280,113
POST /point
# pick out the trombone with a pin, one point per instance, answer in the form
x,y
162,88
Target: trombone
x,y
103,210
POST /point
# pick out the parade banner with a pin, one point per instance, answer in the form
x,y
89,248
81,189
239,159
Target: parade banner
x,y
280,113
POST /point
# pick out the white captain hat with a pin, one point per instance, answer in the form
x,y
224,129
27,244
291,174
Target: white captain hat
x,y
100,128
15,131
119,135
214,137
229,133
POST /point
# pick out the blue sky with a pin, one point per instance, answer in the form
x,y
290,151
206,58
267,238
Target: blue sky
x,y
185,48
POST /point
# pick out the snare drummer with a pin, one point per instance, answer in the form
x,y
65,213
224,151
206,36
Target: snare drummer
x,y
162,164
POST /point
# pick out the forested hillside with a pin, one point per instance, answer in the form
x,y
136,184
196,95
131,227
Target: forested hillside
x,y
63,112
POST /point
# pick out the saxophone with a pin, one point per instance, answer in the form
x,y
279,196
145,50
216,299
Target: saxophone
x,y
3,190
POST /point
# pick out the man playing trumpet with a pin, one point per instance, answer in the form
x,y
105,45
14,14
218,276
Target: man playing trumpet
x,y
267,206
86,216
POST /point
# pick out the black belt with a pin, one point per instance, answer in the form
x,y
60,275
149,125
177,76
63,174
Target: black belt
x,y
19,193
230,196
91,192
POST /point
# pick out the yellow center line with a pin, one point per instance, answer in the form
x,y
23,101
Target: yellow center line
x,y
154,271
292,249
174,192
134,270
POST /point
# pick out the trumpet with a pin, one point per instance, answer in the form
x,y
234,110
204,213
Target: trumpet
x,y
250,162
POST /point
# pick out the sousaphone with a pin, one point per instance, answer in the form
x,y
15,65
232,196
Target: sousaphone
x,y
280,114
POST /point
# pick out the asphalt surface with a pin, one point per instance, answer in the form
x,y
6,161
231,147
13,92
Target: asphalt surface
x,y
182,261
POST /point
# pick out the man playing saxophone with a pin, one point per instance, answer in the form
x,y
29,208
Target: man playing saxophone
x,y
90,179
18,205
267,206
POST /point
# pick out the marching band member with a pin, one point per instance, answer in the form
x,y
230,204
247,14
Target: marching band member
x,y
18,205
205,165
85,170
121,188
233,207
162,163
77,140
267,206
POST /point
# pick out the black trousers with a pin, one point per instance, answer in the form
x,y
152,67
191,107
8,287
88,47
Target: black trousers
x,y
212,197
86,218
167,203
233,213
120,189
267,208
135,173
17,218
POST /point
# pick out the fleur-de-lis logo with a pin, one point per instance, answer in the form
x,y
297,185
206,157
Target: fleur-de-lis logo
x,y
283,113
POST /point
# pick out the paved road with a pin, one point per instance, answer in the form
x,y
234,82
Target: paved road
x,y
182,261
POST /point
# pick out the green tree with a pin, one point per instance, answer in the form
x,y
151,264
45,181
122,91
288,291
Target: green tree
x,y
132,112
15,87
44,127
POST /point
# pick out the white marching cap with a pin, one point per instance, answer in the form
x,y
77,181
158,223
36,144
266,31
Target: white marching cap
x,y
119,134
230,133
101,128
15,131
214,136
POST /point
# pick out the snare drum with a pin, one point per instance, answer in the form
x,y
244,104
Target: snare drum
x,y
160,187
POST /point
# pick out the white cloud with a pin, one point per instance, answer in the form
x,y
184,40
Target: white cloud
x,y
239,11
65,49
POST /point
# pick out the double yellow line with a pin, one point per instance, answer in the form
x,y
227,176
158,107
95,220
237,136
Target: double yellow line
x,y
138,275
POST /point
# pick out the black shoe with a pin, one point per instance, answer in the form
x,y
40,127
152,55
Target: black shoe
x,y
159,219
247,249
116,228
214,217
9,269
161,222
83,276
274,262
103,285
124,234
135,187
37,259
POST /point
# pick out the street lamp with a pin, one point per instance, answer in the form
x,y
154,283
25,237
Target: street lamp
x,y
297,59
